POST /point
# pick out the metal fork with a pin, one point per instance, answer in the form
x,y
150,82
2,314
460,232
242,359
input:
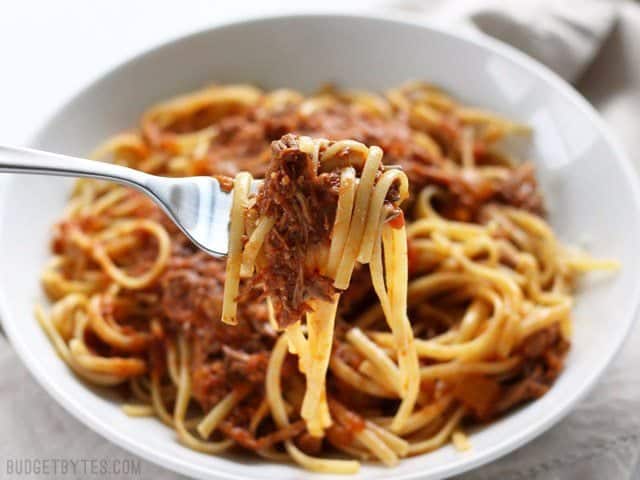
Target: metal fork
x,y
197,205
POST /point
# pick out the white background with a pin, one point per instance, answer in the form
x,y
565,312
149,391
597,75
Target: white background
x,y
51,48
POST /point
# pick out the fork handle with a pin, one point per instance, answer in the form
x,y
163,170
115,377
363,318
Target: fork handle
x,y
27,160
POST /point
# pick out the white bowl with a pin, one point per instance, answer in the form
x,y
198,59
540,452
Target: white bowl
x,y
590,188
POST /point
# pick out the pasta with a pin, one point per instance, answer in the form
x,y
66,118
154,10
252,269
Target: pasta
x,y
381,295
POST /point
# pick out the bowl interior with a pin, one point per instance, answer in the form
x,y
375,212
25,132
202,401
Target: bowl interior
x,y
591,194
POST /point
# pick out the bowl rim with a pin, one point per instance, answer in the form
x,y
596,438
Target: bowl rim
x,y
502,447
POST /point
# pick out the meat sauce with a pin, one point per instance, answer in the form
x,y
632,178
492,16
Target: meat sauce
x,y
228,357
303,203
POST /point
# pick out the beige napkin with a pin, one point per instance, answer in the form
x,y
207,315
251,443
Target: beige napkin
x,y
565,35
596,44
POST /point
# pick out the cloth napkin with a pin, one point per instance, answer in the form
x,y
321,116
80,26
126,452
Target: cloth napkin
x,y
595,45
564,35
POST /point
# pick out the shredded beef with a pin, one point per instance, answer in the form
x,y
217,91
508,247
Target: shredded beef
x,y
345,417
531,387
536,344
303,204
488,397
245,367
223,356
309,444
521,190
244,438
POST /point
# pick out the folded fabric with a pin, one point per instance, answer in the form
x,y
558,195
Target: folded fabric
x,y
564,35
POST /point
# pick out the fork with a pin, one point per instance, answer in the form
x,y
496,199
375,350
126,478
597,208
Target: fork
x,y
197,205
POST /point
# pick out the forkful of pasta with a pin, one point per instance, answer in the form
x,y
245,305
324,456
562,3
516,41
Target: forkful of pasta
x,y
323,208
199,206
